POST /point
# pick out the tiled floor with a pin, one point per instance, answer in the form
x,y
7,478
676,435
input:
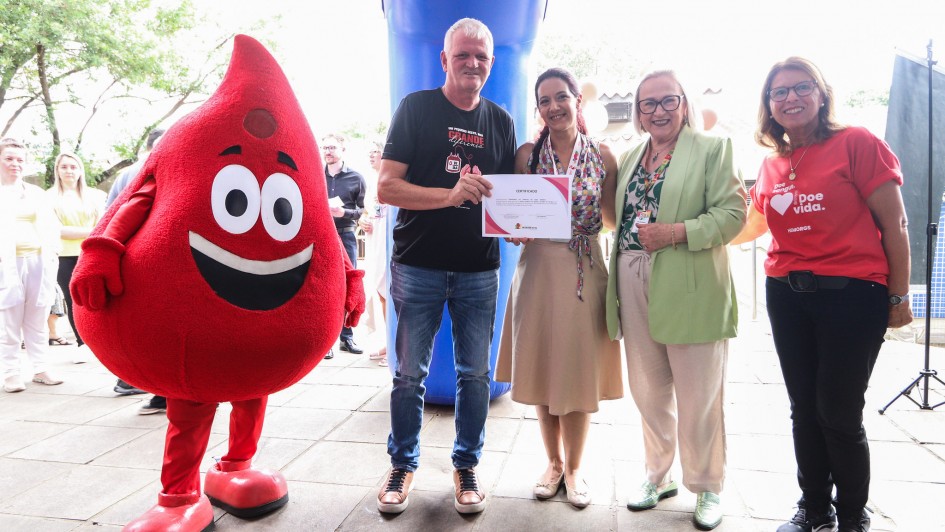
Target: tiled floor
x,y
76,457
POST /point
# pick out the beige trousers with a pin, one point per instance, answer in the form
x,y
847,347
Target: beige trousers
x,y
666,380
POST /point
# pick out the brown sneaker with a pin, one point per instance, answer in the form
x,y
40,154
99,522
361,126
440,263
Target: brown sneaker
x,y
469,498
393,496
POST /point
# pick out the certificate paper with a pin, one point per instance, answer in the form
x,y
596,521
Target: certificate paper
x,y
526,205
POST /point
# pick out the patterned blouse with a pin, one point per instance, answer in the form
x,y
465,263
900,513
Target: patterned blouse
x,y
643,194
589,175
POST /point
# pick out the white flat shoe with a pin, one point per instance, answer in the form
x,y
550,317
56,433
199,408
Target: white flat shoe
x,y
578,499
46,378
547,490
13,384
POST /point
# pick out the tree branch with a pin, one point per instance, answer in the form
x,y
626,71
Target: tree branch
x,y
50,108
6,77
44,86
17,114
95,105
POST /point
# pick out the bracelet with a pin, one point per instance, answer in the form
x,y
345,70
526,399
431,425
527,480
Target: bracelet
x,y
672,234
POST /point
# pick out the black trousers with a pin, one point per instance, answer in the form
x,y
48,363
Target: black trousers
x,y
350,242
827,343
63,276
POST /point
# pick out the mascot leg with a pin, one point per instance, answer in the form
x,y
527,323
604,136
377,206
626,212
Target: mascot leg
x,y
180,506
232,484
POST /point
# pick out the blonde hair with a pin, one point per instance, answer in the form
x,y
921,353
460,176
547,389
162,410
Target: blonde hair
x,y
693,118
79,183
337,137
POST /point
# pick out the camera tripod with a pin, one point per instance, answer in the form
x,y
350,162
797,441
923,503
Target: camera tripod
x,y
926,374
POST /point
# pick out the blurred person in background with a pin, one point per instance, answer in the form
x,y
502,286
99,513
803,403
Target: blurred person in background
x,y
78,207
346,190
29,247
375,226
129,173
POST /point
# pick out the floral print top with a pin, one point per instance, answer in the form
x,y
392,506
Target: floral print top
x,y
643,194
589,174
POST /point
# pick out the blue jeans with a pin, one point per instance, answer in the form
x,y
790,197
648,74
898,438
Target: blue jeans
x,y
419,295
350,242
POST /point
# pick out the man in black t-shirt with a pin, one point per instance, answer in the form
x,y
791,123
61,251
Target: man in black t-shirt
x,y
440,143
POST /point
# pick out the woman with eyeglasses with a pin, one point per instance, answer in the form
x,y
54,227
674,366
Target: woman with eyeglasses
x,y
374,223
680,200
838,275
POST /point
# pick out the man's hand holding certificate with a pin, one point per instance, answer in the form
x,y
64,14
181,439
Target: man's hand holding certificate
x,y
528,206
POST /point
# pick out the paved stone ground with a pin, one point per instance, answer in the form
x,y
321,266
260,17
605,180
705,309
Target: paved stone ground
x,y
76,457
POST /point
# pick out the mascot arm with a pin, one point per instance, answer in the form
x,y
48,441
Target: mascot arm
x,y
354,298
99,271
132,214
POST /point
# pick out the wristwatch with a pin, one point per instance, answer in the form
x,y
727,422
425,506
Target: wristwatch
x,y
896,300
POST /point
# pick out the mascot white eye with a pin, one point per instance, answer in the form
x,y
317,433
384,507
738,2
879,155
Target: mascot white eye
x,y
281,207
234,198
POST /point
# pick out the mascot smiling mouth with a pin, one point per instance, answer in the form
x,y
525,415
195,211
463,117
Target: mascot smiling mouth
x,y
250,284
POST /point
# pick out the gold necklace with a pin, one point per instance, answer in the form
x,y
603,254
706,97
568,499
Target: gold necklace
x,y
656,153
792,176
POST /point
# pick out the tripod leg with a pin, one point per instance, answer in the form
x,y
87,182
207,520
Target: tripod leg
x,y
925,397
905,391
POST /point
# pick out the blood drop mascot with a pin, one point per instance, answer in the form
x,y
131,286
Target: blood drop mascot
x,y
218,276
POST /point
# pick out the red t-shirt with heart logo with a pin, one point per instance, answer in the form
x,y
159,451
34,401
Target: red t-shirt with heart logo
x,y
820,221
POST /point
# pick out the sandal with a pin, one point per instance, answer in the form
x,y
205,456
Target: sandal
x,y
382,362
47,379
59,341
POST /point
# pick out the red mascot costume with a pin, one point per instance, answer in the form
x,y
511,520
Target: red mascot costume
x,y
218,275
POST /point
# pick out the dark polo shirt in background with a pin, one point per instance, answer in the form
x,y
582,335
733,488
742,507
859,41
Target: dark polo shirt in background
x,y
348,185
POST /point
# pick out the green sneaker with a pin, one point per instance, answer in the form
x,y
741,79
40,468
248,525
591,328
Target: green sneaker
x,y
648,494
708,513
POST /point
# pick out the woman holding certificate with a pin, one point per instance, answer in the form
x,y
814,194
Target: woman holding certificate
x,y
670,293
554,348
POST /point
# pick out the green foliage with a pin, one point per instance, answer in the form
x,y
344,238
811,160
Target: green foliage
x,y
868,98
588,57
371,132
139,60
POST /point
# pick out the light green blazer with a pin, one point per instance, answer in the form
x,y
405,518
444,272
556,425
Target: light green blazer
x,y
692,297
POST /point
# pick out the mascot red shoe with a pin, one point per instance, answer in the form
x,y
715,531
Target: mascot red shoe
x,y
218,275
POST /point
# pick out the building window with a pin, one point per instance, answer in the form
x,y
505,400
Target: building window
x,y
619,111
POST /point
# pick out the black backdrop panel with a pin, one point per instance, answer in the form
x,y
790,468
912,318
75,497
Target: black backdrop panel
x,y
907,132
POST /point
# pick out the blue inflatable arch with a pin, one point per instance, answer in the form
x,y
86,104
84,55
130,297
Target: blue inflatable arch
x,y
415,35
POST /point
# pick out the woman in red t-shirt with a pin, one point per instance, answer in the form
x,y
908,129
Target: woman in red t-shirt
x,y
838,275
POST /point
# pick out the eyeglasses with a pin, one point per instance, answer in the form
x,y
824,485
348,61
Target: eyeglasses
x,y
804,88
669,103
329,148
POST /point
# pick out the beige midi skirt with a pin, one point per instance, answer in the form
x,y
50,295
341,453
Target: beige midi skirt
x,y
554,347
